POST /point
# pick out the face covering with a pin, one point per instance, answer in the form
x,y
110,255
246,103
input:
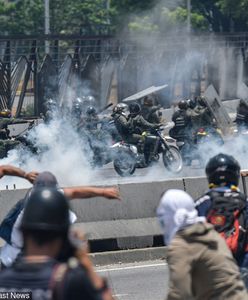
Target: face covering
x,y
175,212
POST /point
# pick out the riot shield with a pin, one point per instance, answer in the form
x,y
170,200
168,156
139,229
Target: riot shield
x,y
146,92
218,110
243,92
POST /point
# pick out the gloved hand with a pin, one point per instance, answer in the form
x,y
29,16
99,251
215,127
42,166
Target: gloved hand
x,y
157,126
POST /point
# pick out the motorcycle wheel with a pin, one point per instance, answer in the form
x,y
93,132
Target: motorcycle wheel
x,y
172,160
124,164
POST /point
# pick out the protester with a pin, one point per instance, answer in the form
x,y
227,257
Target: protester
x,y
9,228
45,226
201,265
225,206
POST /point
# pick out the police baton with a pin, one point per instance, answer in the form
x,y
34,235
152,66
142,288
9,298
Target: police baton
x,y
105,107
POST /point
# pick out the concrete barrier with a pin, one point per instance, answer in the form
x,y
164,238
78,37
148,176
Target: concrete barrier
x,y
195,186
131,222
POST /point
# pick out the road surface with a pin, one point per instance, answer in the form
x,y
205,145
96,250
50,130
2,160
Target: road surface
x,y
137,281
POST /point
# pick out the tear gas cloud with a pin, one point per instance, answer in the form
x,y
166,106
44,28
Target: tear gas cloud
x,y
167,57
60,152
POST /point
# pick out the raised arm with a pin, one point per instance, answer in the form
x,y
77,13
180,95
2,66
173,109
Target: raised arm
x,y
90,191
14,171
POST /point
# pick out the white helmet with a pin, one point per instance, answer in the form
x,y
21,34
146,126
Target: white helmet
x,y
121,107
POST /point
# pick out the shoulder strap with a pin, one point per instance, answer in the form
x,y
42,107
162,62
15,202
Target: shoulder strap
x,y
56,284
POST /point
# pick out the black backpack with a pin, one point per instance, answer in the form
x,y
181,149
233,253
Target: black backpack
x,y
228,214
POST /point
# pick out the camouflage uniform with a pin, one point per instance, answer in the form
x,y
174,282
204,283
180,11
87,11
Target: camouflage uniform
x,y
150,114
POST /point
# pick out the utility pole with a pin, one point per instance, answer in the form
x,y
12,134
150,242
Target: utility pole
x,y
188,16
47,24
108,8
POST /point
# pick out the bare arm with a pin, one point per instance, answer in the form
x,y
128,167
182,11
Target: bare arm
x,y
90,191
14,171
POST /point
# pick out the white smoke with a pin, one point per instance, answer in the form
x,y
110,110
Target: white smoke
x,y
61,152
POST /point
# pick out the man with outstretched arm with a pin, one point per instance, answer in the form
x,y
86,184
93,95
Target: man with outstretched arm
x,y
10,226
70,192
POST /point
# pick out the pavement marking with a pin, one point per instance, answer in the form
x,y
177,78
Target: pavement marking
x,y
132,267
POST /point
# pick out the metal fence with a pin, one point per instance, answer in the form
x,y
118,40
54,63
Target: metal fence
x,y
33,69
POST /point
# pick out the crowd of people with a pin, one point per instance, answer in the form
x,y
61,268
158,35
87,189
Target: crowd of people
x,y
206,239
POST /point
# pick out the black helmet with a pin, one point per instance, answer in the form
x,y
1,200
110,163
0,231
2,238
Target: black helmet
x,y
191,103
183,104
223,168
46,209
148,101
134,108
201,101
90,110
76,109
50,103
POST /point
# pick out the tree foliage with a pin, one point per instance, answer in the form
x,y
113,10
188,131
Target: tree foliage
x,y
100,16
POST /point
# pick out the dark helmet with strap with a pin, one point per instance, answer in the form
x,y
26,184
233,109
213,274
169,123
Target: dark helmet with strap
x,y
183,104
191,103
50,103
223,168
201,101
46,209
134,108
148,101
90,110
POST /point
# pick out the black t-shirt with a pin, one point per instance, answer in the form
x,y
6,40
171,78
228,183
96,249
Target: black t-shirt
x,y
36,278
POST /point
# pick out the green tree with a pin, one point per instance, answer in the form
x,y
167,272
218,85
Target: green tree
x,y
66,16
25,16
99,16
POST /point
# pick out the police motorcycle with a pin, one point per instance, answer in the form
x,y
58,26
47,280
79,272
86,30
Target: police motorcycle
x,y
186,148
103,141
106,150
166,148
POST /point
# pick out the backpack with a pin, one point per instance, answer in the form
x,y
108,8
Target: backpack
x,y
228,215
9,221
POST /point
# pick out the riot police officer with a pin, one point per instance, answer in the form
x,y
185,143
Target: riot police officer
x,y
201,116
182,121
138,125
7,143
121,122
51,109
150,112
242,115
91,118
76,113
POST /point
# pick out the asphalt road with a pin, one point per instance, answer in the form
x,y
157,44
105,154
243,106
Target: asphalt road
x,y
137,281
107,174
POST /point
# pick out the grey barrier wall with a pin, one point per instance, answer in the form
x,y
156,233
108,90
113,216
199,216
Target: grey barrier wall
x,y
132,221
